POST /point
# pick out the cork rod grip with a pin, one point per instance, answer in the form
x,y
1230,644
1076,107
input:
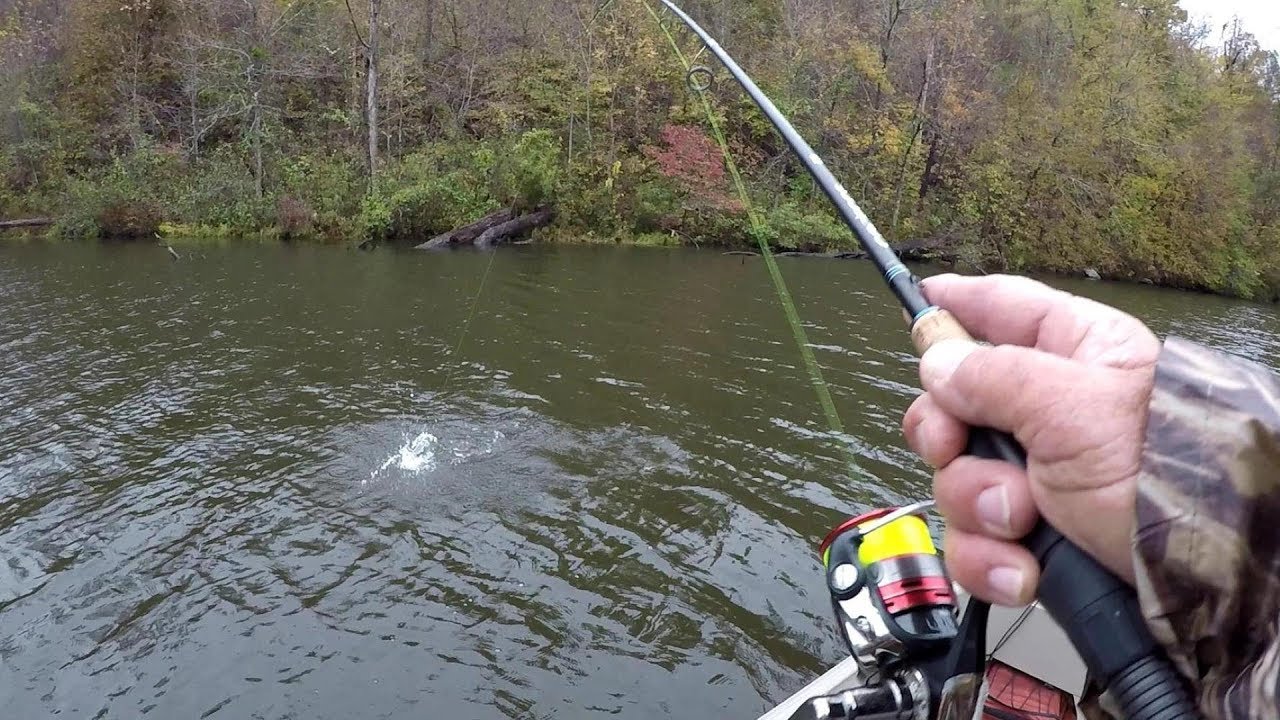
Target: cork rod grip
x,y
936,327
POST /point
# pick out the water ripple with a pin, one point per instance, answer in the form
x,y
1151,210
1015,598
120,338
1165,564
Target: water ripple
x,y
260,483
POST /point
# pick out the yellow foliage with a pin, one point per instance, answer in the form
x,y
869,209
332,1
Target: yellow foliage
x,y
865,61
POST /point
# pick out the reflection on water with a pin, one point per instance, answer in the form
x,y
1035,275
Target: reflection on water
x,y
259,484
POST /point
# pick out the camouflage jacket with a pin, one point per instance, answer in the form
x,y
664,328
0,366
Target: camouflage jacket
x,y
1207,540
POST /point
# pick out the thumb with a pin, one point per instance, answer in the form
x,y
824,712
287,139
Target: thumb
x,y
1007,387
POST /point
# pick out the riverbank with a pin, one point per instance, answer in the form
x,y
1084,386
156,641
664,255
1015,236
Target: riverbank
x,y
672,190
969,126
964,259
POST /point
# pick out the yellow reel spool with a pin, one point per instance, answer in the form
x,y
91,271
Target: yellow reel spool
x,y
907,536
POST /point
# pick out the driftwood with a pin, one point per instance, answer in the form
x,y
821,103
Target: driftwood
x,y
822,255
935,248
28,222
924,250
500,227
468,234
858,255
515,228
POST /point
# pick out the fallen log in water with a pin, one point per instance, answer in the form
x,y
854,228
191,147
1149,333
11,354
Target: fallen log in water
x,y
468,234
922,250
27,222
926,249
515,228
500,227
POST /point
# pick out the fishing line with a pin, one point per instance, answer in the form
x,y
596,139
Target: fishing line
x,y
699,79
1098,611
1013,629
445,385
466,325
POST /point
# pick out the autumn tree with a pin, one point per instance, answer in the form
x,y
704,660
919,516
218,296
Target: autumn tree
x,y
1052,134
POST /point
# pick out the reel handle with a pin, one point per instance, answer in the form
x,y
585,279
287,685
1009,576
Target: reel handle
x,y
889,701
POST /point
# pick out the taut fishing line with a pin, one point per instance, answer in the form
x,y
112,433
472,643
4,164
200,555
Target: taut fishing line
x,y
417,453
700,79
466,325
1098,611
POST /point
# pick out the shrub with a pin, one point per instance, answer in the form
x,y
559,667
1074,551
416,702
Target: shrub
x,y
375,217
330,186
420,210
655,239
219,191
654,206
440,188
588,202
528,175
795,227
123,219
124,200
9,193
294,217
696,164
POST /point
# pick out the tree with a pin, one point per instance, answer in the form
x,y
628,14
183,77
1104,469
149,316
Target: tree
x,y
1045,134
372,47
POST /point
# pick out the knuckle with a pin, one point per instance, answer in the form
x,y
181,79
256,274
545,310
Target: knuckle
x,y
989,372
954,489
915,415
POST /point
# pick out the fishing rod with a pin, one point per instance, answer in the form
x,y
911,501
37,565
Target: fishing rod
x,y
904,637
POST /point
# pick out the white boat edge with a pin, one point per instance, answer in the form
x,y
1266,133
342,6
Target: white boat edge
x,y
1023,638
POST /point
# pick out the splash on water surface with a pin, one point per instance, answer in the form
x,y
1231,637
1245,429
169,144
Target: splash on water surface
x,y
424,453
414,456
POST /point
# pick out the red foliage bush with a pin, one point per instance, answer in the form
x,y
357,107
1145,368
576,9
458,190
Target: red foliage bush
x,y
696,164
294,217
129,220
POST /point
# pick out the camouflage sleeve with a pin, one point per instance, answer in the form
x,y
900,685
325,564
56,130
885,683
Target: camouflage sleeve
x,y
1207,541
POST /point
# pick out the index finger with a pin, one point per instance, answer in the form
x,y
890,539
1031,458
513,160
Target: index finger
x,y
1001,309
1009,310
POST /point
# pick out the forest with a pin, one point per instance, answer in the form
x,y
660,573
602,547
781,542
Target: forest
x,y
1022,135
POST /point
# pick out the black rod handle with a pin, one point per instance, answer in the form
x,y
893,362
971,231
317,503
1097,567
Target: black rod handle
x,y
1098,611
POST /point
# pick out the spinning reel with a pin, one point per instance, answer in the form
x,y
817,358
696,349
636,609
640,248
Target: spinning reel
x,y
897,613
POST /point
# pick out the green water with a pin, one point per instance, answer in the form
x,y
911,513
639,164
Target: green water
x,y
257,484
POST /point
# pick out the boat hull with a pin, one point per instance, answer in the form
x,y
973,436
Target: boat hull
x,y
1026,639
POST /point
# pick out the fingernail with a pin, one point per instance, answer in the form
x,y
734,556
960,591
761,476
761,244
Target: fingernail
x,y
934,280
993,509
1007,585
940,363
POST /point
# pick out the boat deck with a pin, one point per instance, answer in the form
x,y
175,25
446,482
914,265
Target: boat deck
x,y
1023,638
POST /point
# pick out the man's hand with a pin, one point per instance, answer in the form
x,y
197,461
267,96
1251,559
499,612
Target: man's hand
x,y
1070,379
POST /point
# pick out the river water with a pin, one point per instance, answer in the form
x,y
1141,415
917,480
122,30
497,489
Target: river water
x,y
279,482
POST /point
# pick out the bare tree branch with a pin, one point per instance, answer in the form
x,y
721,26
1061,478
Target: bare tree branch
x,y
351,14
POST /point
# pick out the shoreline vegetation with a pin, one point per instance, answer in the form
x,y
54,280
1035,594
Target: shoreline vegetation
x,y
1063,136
